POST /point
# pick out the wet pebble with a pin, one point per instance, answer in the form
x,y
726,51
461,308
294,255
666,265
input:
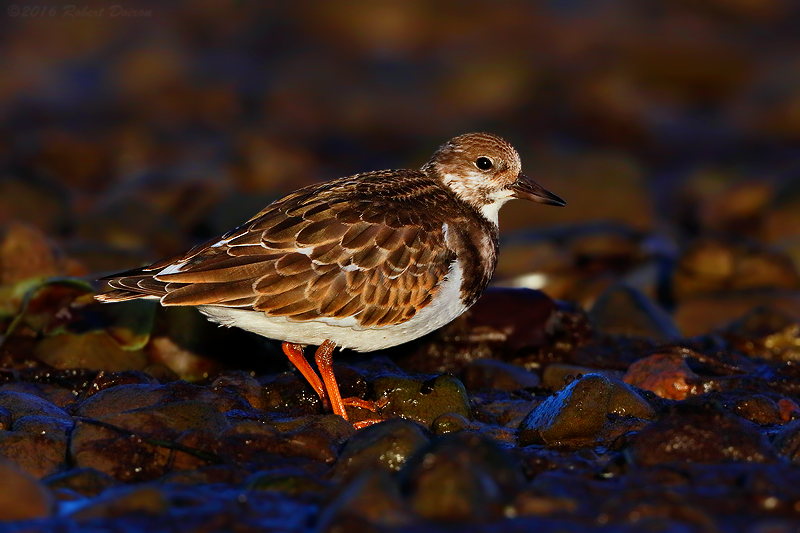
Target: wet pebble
x,y
22,497
575,415
135,445
383,446
319,438
141,500
497,375
241,383
766,332
41,451
120,398
555,376
710,265
665,374
787,442
370,502
83,481
450,423
759,409
20,404
699,430
461,477
422,401
290,482
624,310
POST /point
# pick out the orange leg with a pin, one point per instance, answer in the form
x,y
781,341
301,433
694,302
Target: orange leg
x,y
324,357
295,354
325,365
327,388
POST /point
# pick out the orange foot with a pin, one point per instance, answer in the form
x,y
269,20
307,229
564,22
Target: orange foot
x,y
327,388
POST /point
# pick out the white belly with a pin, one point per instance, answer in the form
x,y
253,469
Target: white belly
x,y
346,333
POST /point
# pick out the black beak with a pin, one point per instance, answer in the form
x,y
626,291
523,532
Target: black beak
x,y
527,189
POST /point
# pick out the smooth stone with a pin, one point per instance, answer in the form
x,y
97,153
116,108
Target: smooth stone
x,y
461,477
286,481
556,376
243,384
421,401
766,333
38,454
702,314
450,423
136,451
383,446
709,266
665,374
95,350
22,497
516,317
119,399
759,409
623,310
497,375
699,430
578,413
370,502
84,481
141,500
43,425
787,442
21,404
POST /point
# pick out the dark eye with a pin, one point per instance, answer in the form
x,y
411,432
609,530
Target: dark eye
x,y
483,163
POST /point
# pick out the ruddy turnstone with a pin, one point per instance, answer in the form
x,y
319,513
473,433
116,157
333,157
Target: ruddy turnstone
x,y
365,262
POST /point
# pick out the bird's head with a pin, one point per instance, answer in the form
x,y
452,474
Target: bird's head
x,y
485,171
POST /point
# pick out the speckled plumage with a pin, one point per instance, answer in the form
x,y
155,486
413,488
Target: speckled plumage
x,y
367,261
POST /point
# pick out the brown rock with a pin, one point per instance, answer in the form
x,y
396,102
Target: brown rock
x,y
144,500
141,444
39,455
699,430
120,398
21,404
461,477
759,409
22,497
703,314
665,374
710,266
84,481
26,253
623,310
95,350
421,401
497,375
371,500
766,332
384,446
577,414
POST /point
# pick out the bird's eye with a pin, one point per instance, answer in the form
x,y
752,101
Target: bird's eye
x,y
483,163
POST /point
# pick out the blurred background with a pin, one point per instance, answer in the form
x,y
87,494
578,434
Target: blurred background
x,y
132,130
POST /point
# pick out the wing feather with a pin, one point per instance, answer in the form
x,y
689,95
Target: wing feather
x,y
332,251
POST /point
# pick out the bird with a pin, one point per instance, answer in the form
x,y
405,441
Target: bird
x,y
366,262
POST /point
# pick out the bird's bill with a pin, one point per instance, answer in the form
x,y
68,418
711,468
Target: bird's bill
x,y
527,189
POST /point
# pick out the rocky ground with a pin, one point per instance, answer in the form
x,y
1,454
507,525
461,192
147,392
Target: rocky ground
x,y
634,366
525,412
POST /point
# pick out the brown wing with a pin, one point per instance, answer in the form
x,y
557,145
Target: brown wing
x,y
360,247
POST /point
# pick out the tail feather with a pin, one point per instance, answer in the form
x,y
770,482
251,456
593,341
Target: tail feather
x,y
121,295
